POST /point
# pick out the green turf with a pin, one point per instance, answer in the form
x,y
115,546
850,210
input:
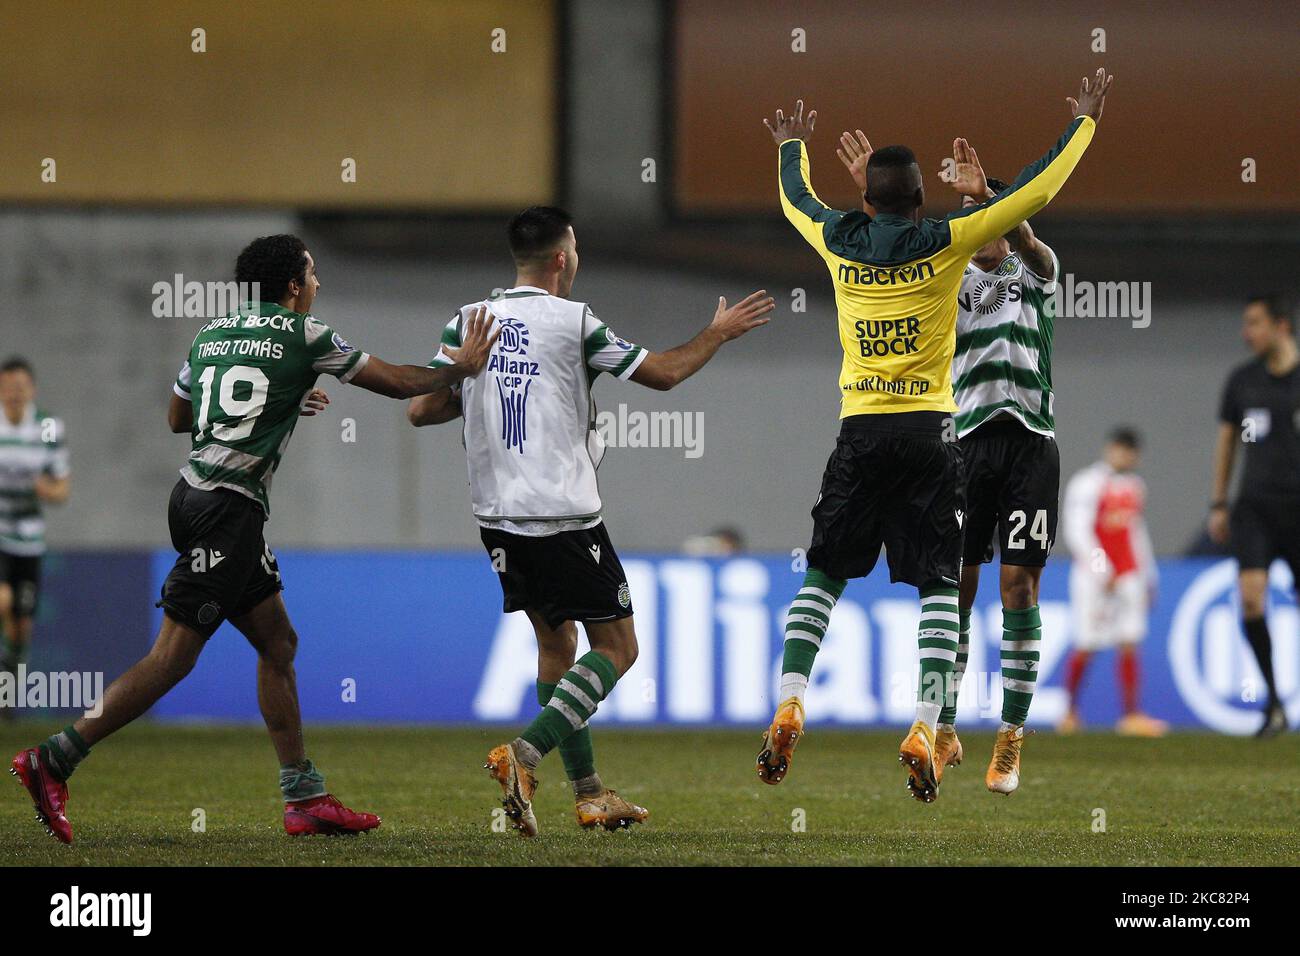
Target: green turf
x,y
1185,800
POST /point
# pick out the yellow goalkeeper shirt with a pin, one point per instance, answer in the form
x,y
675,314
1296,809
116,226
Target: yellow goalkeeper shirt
x,y
896,281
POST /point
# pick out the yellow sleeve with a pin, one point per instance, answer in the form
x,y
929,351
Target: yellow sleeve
x,y
1036,186
800,204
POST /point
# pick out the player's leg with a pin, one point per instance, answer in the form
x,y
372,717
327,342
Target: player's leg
x,y
580,689
570,576
1075,669
1252,584
983,484
17,613
1254,547
1021,638
1091,633
557,650
1027,530
923,543
948,751
309,808
845,543
45,769
268,629
1130,599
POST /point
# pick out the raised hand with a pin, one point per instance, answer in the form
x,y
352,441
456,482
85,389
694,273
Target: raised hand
x,y
854,153
1092,95
792,127
746,314
965,175
475,343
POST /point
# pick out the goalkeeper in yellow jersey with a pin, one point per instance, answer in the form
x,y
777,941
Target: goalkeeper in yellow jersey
x,y
895,477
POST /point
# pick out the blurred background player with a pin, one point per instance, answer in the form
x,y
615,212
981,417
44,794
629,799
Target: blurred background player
x,y
1113,577
245,382
34,472
896,476
532,452
1259,411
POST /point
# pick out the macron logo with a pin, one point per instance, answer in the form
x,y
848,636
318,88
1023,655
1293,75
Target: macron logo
x,y
595,552
73,909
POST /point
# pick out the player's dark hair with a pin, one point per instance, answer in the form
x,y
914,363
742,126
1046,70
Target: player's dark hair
x,y
997,185
1276,307
1126,436
273,262
536,232
16,363
894,180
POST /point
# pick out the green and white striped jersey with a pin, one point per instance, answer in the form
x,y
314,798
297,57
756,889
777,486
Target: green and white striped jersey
x,y
32,447
1003,361
246,377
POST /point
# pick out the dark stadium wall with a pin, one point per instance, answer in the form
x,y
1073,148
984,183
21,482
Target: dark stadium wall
x,y
924,73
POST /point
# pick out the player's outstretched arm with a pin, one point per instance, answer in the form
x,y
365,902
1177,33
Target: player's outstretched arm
x,y
663,370
1040,181
407,381
800,204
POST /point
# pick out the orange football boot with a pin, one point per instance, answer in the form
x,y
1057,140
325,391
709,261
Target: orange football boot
x,y
947,751
779,741
517,786
1004,769
607,809
916,753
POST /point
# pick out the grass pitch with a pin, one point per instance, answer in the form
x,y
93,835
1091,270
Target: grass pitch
x,y
1185,800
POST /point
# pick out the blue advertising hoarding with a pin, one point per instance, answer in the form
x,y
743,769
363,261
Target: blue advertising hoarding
x,y
420,637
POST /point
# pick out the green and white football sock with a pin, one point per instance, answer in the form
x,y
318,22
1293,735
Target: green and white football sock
x,y
805,626
571,705
1022,632
948,715
63,751
576,751
301,781
937,644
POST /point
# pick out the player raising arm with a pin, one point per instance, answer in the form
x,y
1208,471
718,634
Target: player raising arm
x,y
896,477
532,451
248,378
1002,383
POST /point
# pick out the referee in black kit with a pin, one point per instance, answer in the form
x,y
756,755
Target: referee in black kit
x,y
1261,412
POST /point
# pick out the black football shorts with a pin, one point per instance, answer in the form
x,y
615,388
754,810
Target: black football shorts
x,y
893,481
1263,529
23,575
1013,485
569,576
224,567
